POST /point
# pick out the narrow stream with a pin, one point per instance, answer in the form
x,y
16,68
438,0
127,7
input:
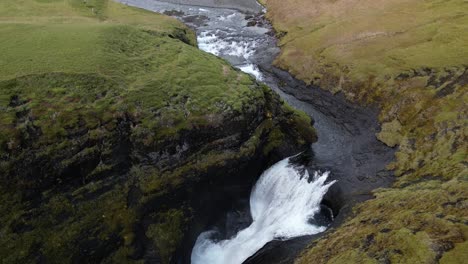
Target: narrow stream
x,y
285,200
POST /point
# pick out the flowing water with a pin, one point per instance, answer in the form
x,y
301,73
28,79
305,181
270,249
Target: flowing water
x,y
222,32
285,201
282,204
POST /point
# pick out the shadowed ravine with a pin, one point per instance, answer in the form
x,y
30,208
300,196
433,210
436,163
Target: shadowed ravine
x,y
347,146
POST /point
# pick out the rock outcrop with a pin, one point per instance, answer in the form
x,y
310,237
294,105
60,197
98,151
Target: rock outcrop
x,y
111,122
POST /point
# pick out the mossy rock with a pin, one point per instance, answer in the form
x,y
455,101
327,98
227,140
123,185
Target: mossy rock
x,y
109,112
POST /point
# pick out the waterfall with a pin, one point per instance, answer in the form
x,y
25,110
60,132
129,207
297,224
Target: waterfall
x,y
281,204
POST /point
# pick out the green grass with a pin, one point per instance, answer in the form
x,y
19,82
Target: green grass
x,y
380,39
150,67
59,36
36,49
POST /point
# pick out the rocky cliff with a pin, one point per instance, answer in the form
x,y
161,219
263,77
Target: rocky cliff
x,y
111,122
409,59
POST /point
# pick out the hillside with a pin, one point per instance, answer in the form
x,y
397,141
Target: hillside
x,y
111,119
409,58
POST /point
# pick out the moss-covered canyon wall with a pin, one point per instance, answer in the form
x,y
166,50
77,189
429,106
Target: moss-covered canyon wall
x,y
110,118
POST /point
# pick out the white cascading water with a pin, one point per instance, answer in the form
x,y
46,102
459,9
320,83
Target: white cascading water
x,y
208,41
281,203
283,200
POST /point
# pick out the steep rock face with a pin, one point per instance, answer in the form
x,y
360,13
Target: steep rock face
x,y
408,58
93,186
111,123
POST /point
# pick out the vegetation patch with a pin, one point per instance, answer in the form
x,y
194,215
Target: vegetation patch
x,y
409,58
167,234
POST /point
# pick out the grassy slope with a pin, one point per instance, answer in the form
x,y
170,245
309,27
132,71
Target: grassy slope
x,y
71,71
370,38
410,58
109,47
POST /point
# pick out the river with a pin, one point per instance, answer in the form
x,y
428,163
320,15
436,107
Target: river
x,y
285,199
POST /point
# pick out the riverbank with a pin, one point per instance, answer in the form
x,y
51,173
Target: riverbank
x,y
409,59
346,145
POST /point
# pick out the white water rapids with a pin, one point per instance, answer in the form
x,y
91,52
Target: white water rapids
x,y
281,203
222,32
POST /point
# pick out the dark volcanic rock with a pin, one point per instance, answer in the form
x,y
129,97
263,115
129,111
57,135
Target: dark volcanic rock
x,y
195,20
347,147
176,13
117,190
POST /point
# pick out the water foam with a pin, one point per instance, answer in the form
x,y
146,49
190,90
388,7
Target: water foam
x,y
282,203
208,41
253,70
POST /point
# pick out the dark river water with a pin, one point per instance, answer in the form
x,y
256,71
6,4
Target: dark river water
x,y
347,150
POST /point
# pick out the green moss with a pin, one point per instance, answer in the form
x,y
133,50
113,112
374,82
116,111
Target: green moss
x,y
56,229
167,233
391,133
414,224
457,255
275,139
302,123
416,247
352,256
304,128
